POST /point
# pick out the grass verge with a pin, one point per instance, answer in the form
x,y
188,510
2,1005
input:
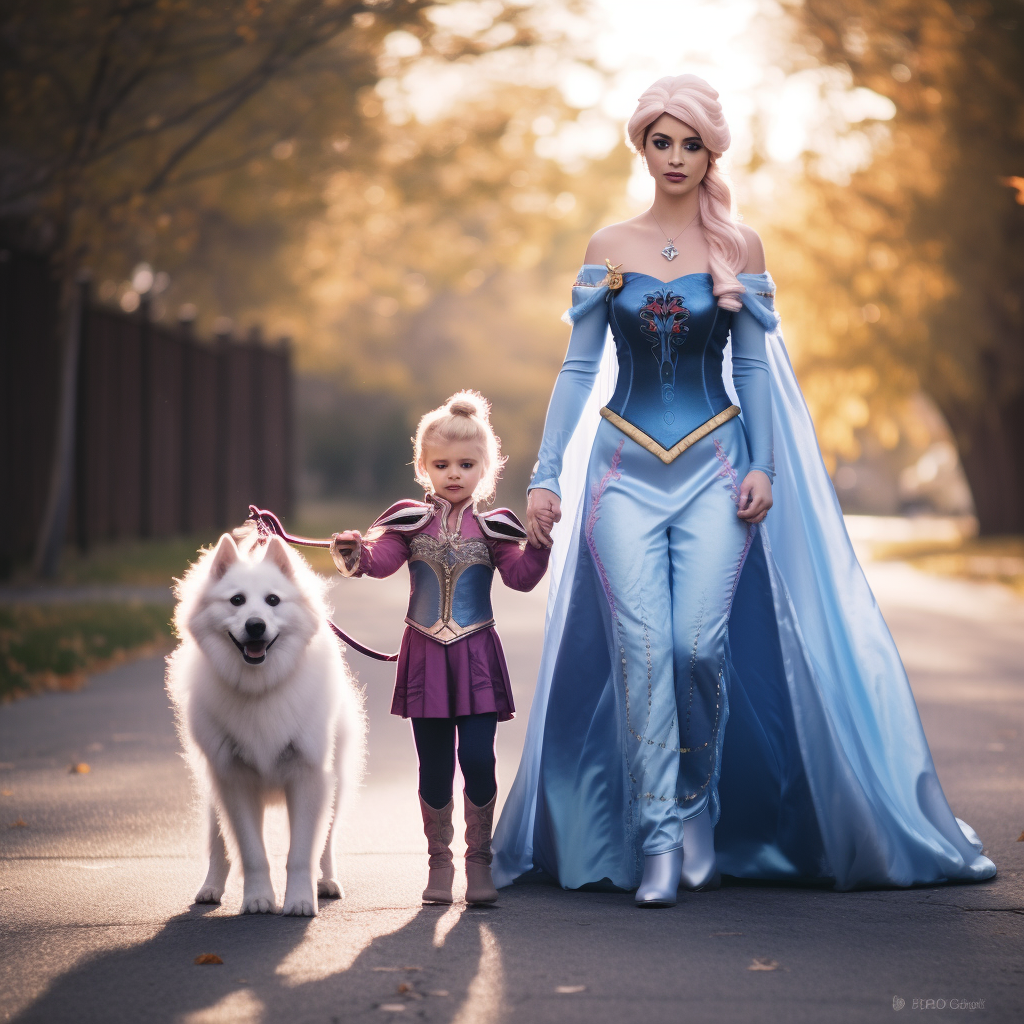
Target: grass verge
x,y
158,562
55,647
151,562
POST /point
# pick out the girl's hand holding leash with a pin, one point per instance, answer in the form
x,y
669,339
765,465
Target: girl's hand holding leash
x,y
346,541
345,548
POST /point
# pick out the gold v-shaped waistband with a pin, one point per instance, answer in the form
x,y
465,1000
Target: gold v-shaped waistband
x,y
668,455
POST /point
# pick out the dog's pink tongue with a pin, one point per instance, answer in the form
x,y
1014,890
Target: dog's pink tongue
x,y
256,650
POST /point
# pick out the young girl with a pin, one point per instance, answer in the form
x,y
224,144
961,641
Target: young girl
x,y
452,677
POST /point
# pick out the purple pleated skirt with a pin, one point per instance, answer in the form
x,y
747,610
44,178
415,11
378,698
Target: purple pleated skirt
x,y
468,677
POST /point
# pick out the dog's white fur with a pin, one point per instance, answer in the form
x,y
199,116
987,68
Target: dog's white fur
x,y
291,727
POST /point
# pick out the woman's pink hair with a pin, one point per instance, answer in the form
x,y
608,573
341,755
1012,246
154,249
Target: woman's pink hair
x,y
691,100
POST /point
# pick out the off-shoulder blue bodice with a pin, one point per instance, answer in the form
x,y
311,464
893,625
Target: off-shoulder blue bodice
x,y
669,341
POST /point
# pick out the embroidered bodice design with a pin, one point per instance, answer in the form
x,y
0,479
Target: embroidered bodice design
x,y
452,552
680,388
665,317
451,579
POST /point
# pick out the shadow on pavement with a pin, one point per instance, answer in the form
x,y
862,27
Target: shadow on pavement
x,y
439,960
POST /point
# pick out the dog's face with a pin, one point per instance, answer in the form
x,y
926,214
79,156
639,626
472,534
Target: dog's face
x,y
252,620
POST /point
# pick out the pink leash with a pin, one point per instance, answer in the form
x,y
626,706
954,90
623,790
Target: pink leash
x,y
267,523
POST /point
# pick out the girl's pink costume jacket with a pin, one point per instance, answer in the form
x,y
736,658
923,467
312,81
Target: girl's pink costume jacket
x,y
451,662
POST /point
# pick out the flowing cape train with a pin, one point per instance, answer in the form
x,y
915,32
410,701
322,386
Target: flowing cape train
x,y
826,775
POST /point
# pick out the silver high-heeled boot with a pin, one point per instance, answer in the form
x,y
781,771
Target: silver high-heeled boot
x,y
700,867
661,879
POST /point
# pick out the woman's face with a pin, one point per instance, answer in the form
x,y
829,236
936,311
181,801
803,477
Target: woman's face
x,y
675,156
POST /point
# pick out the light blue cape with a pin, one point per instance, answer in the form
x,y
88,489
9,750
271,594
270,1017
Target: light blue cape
x,y
826,774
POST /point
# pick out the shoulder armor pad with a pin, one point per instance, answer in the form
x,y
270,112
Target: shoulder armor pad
x,y
501,524
404,516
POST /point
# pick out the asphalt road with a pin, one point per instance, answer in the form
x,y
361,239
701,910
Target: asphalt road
x,y
95,886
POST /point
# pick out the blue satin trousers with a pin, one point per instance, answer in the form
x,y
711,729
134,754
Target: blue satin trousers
x,y
668,548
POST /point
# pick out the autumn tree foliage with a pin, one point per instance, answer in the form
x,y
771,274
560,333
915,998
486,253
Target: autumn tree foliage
x,y
912,272
204,137
168,126
449,264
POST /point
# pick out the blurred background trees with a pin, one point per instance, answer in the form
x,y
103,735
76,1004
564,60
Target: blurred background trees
x,y
909,273
190,132
406,188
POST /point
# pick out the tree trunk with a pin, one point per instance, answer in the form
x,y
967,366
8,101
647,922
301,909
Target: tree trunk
x,y
991,443
53,527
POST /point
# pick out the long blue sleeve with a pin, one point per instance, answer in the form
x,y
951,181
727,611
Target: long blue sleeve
x,y
752,379
575,381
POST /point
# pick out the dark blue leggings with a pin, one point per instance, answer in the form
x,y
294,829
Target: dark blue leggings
x,y
435,746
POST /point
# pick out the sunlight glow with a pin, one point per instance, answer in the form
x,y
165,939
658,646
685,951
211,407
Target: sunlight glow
x,y
240,1007
445,923
485,998
731,43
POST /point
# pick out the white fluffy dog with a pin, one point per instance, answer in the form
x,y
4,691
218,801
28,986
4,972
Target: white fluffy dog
x,y
267,711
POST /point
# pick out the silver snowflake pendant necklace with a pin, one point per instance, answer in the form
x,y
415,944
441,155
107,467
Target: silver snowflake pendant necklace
x,y
670,252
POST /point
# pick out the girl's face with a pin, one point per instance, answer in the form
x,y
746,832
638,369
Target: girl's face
x,y
675,156
455,469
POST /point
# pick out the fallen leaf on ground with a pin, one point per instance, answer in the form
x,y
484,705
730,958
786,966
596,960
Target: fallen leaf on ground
x,y
568,990
79,769
762,964
407,990
1020,838
18,823
207,958
6,792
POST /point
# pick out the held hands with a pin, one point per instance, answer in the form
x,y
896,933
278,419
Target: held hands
x,y
755,497
543,510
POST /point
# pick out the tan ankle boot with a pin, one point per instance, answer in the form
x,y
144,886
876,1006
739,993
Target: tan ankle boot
x,y
437,827
479,885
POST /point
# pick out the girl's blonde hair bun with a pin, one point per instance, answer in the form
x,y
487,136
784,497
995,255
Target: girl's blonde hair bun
x,y
461,405
466,416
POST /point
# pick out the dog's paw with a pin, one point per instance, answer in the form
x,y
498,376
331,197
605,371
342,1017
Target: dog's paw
x,y
299,908
328,888
259,904
208,894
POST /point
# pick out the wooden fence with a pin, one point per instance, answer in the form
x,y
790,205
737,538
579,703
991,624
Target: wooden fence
x,y
173,435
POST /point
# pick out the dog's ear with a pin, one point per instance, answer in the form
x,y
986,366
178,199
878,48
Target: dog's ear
x,y
277,554
224,556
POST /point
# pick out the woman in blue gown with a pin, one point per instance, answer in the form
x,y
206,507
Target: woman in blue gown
x,y
675,607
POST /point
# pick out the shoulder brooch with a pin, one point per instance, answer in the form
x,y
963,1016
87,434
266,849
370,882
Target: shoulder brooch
x,y
613,279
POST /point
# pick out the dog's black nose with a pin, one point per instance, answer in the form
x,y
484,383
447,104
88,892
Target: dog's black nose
x,y
255,627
